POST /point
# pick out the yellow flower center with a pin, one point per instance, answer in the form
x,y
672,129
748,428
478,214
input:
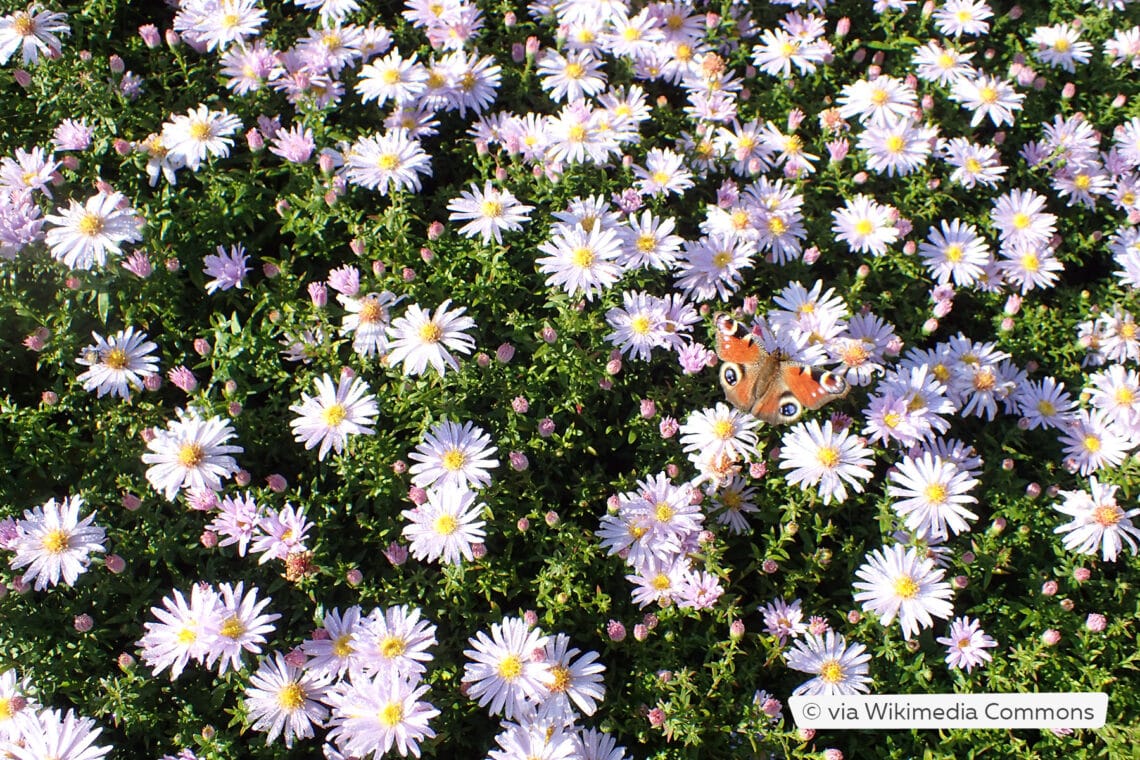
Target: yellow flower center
x,y
1046,408
191,455
953,253
663,513
6,711
561,676
1061,45
661,582
200,131
892,419
631,34
831,672
945,61
1125,396
391,714
291,697
963,643
793,145
855,354
1107,515
388,161
864,227
390,76
973,165
90,225
828,456
230,20
1030,262
879,96
342,645
431,333
988,95
333,415
445,525
55,541
1082,181
661,177
583,257
116,358
371,312
776,225
1127,330
1091,443
895,144
393,646
187,636
1020,220
906,587
453,460
639,324
646,242
984,380
491,209
574,70
510,667
724,429
23,25
787,49
936,493
233,628
721,259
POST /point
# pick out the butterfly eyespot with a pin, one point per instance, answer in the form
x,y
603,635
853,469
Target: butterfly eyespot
x,y
790,409
730,374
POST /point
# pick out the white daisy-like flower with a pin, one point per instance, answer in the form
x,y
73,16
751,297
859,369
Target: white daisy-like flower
x,y
488,212
932,495
1098,521
966,644
82,236
454,454
117,363
580,261
367,321
58,735
199,134
283,700
336,412
719,432
191,453
446,526
898,582
420,338
838,668
373,716
505,672
54,544
825,457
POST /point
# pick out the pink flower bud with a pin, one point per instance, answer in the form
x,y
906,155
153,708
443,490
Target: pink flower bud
x,y
668,427
255,140
396,553
354,577
172,38
23,78
551,518
546,427
115,563
115,63
202,347
1082,574
523,525
131,502
318,294
518,461
640,632
1051,637
209,539
736,628
150,35
854,616
615,631
417,495
296,658
83,623
770,566
1096,622
478,551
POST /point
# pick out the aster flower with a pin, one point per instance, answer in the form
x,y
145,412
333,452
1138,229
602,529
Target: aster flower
x,y
955,251
392,77
336,412
580,261
118,363
720,431
576,683
28,171
504,672
367,321
181,631
283,700
1098,521
454,454
932,495
865,225
881,101
335,651
838,668
199,134
966,644
227,269
987,96
1091,441
82,236
571,77
373,716
59,735
898,582
389,162
533,739
241,626
229,22
236,521
639,326
32,32
54,544
958,17
18,709
445,527
1060,46
420,338
280,533
490,211
190,453
825,457
295,145
395,641
784,620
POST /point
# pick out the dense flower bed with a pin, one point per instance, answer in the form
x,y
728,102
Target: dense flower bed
x,y
576,380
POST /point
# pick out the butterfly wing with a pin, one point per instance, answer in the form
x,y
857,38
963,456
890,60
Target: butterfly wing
x,y
771,388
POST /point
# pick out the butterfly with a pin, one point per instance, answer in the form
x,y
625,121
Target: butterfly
x,y
769,385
